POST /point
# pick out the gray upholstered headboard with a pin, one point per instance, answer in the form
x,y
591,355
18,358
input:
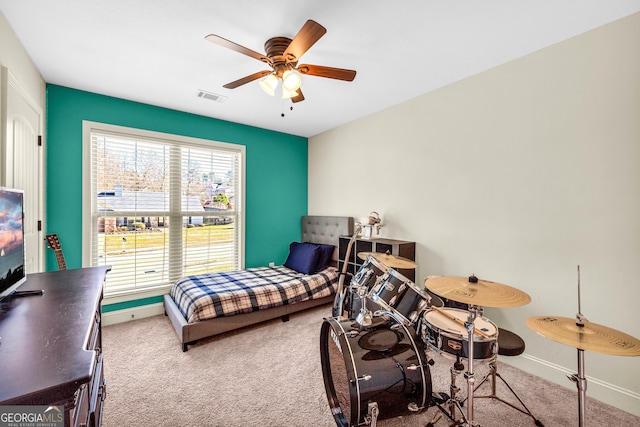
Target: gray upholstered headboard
x,y
326,230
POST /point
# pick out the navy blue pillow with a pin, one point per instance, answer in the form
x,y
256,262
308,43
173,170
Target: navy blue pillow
x,y
324,259
303,257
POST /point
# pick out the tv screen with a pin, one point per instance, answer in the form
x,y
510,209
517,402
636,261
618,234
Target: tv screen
x,y
12,255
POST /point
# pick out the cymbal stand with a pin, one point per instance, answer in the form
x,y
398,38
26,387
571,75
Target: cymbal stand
x,y
579,378
474,311
581,382
454,403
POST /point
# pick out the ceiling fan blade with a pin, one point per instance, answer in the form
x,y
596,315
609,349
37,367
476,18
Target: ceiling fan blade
x,y
299,97
245,80
310,33
240,49
329,72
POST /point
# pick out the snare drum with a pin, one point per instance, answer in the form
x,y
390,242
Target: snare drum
x,y
384,364
401,296
451,339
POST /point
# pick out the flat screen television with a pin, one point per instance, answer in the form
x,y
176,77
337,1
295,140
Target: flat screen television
x,y
12,253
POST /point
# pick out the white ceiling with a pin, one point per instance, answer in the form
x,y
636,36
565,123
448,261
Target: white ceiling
x,y
154,51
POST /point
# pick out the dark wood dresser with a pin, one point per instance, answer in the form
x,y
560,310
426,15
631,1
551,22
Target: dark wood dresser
x,y
400,248
51,345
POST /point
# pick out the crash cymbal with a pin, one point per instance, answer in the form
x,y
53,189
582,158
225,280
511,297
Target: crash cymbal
x,y
389,260
591,336
471,290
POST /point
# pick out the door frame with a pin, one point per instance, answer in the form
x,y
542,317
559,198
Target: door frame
x,y
9,81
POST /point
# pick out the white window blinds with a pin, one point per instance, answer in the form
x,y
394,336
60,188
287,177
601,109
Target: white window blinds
x,y
162,208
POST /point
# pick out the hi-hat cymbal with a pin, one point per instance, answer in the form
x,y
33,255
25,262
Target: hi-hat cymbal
x,y
479,292
389,260
590,336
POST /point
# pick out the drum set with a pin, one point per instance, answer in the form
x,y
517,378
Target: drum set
x,y
374,350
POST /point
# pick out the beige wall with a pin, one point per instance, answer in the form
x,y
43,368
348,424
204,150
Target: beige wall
x,y
17,61
16,67
517,175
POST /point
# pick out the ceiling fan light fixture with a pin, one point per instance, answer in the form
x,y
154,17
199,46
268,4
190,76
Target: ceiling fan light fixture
x,y
291,80
269,84
288,94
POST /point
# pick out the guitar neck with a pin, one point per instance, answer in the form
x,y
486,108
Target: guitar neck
x,y
62,265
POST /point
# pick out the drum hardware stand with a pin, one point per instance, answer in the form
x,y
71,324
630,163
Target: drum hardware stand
x,y
434,420
454,402
493,373
580,379
474,311
440,398
581,382
364,317
372,414
338,302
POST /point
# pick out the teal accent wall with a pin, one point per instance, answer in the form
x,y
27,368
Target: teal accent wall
x,y
276,170
131,304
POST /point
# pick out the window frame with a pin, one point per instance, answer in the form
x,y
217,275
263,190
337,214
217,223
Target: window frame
x,y
88,127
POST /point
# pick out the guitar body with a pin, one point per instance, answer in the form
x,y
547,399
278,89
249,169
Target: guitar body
x,y
54,243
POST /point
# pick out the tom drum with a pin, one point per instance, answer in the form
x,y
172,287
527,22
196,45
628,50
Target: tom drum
x,y
369,272
400,295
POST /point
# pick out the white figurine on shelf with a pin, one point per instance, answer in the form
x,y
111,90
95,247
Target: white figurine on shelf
x,y
371,223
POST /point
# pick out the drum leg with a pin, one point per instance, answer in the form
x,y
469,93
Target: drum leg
x,y
493,374
509,344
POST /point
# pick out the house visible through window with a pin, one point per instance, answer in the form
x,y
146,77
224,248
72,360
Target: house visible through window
x,y
158,206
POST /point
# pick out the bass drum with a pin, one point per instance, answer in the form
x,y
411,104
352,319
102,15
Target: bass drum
x,y
382,364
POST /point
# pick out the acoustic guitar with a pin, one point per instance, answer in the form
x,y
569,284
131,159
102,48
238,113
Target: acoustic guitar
x,y
54,243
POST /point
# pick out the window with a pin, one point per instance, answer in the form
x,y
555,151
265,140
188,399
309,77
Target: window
x,y
158,206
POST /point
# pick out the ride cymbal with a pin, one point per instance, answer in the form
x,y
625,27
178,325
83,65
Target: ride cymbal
x,y
471,290
590,336
389,260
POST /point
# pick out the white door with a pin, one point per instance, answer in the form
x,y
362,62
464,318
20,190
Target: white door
x,y
24,167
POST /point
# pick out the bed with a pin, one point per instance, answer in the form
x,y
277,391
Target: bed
x,y
272,291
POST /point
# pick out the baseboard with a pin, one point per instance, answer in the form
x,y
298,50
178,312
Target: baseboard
x,y
128,314
611,394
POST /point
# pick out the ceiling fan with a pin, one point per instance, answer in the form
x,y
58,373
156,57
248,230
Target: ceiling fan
x,y
282,55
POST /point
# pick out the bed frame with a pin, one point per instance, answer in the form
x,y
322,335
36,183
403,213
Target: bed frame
x,y
315,229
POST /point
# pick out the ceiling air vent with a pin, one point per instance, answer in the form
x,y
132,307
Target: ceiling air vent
x,y
211,96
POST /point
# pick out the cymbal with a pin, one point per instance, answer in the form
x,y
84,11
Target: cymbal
x,y
389,260
482,292
591,336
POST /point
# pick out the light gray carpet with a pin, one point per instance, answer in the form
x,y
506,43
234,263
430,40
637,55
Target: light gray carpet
x,y
270,375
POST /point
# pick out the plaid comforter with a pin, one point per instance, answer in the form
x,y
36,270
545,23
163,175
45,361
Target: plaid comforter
x,y
205,296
